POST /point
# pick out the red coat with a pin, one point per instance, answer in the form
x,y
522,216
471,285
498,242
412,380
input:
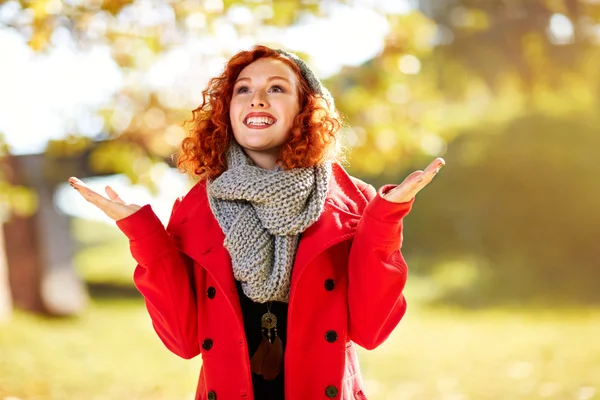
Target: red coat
x,y
185,276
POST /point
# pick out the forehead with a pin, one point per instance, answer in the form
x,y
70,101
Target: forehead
x,y
264,68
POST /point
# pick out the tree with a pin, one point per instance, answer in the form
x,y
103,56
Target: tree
x,y
455,78
138,34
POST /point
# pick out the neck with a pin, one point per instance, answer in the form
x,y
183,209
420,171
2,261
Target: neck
x,y
264,160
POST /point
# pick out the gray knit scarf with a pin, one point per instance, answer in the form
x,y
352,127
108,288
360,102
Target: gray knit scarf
x,y
262,214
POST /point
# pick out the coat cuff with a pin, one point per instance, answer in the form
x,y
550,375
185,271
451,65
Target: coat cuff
x,y
140,224
384,217
147,235
388,211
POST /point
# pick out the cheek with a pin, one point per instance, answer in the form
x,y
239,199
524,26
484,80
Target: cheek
x,y
235,107
291,111
234,120
232,111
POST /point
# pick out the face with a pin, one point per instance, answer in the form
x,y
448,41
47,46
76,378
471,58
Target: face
x,y
263,106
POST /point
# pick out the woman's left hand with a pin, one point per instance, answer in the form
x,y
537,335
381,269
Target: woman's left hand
x,y
414,183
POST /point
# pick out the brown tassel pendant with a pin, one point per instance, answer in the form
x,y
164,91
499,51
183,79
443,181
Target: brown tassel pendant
x,y
268,358
274,359
258,359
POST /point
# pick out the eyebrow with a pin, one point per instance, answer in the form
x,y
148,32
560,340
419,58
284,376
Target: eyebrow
x,y
271,78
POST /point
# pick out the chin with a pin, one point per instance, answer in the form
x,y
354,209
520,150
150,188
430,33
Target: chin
x,y
260,148
259,144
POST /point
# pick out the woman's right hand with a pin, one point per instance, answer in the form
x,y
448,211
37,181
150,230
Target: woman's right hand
x,y
113,206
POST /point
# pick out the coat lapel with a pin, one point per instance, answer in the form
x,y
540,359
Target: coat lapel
x,y
338,222
198,235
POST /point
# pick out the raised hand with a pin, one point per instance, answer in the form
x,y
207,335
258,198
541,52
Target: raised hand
x,y
113,206
414,183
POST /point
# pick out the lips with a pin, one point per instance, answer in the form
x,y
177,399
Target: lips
x,y
259,120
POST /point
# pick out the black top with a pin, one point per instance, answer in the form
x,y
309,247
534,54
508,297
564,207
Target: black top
x,y
252,313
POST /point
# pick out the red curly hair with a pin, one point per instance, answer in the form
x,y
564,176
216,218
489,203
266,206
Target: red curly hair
x,y
312,139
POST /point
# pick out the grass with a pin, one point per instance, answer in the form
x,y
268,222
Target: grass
x,y
111,351
485,355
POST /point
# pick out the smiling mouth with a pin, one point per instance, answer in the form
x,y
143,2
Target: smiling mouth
x,y
259,122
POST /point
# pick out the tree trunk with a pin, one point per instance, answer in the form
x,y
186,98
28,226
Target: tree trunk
x,y
40,249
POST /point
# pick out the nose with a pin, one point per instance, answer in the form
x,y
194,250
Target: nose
x,y
258,100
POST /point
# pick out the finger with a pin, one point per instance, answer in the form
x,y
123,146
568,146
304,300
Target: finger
x,y
79,185
73,181
430,172
409,187
113,195
415,176
90,195
435,166
411,181
95,198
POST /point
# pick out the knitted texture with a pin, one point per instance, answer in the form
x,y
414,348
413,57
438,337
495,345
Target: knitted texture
x,y
262,214
313,82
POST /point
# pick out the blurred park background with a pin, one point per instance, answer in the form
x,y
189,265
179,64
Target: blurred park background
x,y
504,290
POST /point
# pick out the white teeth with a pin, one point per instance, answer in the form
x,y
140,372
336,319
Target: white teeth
x,y
260,121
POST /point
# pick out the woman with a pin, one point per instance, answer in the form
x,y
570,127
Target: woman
x,y
277,263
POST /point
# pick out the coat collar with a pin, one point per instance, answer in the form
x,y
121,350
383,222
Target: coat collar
x,y
199,235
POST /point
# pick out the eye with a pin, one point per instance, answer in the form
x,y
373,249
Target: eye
x,y
276,89
242,89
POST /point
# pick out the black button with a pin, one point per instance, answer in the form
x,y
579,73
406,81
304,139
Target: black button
x,y
329,285
331,392
211,292
212,395
207,344
331,336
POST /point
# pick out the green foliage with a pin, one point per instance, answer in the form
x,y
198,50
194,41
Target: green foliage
x,y
521,198
38,20
19,200
14,198
495,38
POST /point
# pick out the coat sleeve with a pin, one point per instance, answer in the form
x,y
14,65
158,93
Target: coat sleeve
x,y
377,271
164,276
